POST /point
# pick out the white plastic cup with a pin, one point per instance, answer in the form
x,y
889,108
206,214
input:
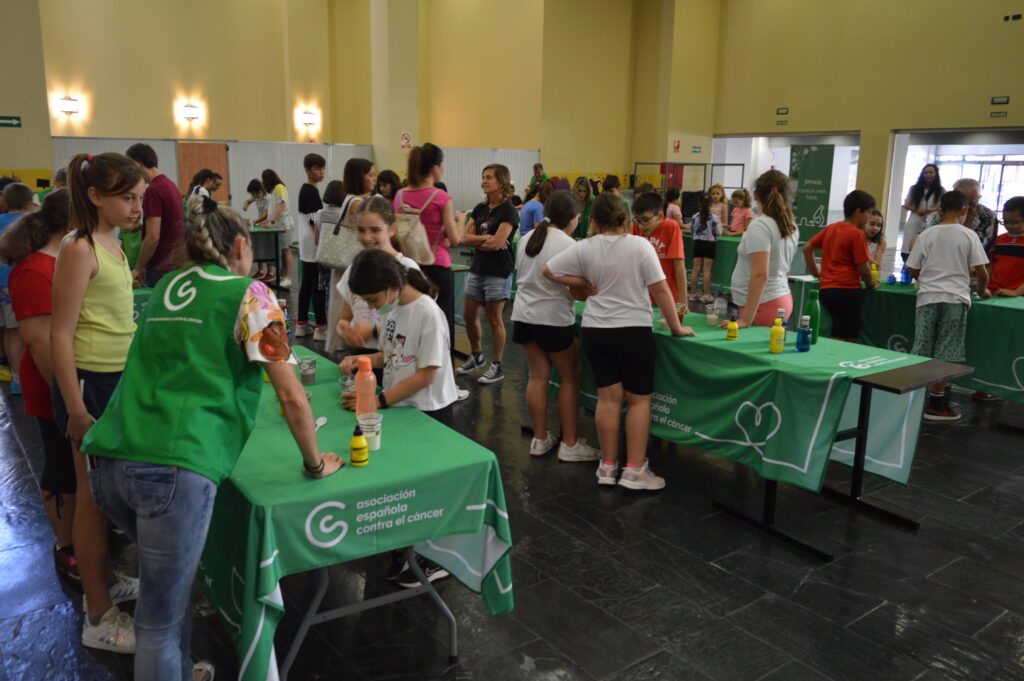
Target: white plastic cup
x,y
370,424
307,370
712,318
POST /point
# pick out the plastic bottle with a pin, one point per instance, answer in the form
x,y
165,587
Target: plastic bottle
x,y
781,314
732,329
289,323
358,448
905,276
874,272
366,388
803,335
777,337
812,310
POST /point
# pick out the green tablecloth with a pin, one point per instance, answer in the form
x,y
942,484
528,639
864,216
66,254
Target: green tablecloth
x,y
725,261
778,414
141,301
427,486
993,333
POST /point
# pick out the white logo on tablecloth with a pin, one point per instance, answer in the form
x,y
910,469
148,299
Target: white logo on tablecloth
x,y
325,525
757,431
1016,376
898,343
854,365
184,294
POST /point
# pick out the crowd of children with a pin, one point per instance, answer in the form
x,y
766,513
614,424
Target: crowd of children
x,y
102,389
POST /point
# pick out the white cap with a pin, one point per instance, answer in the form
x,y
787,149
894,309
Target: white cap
x,y
805,320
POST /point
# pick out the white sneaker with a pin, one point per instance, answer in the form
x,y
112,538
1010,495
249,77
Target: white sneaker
x,y
285,282
606,473
320,333
124,589
641,478
581,451
461,394
114,633
302,330
542,447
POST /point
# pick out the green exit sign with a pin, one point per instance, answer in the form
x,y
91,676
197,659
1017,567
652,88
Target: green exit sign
x,y
10,121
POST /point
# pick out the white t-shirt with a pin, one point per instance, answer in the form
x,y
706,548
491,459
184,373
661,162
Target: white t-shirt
x,y
915,223
763,236
538,299
621,267
416,336
307,244
945,254
361,312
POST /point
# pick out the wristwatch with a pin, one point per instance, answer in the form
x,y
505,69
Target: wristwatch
x,y
382,401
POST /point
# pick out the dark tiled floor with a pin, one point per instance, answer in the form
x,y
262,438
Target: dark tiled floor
x,y
632,587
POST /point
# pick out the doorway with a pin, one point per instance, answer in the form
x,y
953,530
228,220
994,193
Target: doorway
x,y
194,156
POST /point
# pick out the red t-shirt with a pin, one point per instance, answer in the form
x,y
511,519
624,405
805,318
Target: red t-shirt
x,y
31,288
843,247
1007,262
163,200
667,240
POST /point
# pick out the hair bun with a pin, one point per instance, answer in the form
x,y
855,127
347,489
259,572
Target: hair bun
x,y
209,205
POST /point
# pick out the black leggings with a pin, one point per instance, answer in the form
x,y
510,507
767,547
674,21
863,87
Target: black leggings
x,y
311,289
445,282
58,463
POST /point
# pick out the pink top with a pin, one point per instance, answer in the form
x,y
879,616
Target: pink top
x,y
674,212
432,217
739,216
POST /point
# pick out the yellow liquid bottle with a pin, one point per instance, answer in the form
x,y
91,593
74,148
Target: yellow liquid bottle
x,y
777,338
359,449
732,330
874,272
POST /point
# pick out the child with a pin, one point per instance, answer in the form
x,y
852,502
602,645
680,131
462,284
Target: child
x,y
533,209
718,207
673,210
1008,253
667,238
706,228
585,197
942,260
154,472
309,289
742,212
31,244
845,262
278,215
262,251
91,330
414,339
619,271
489,283
20,200
544,323
875,232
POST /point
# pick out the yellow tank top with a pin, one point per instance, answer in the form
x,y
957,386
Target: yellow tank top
x,y
106,323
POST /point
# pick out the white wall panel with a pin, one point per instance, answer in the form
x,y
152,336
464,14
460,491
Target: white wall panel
x,y
66,147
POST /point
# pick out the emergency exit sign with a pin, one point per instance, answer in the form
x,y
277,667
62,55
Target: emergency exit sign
x,y
10,121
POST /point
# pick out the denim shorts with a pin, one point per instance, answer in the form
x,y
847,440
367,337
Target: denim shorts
x,y
485,289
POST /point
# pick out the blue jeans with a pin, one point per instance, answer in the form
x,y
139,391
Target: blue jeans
x,y
484,288
166,510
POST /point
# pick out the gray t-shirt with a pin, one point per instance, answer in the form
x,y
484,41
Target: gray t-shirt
x,y
945,255
763,236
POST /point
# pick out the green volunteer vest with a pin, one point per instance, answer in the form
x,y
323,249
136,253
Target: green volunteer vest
x,y
189,394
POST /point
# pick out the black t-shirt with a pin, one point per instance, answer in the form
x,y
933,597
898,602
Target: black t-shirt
x,y
309,199
488,220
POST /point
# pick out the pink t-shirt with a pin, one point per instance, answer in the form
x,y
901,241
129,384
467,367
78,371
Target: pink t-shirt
x,y
674,212
739,216
432,217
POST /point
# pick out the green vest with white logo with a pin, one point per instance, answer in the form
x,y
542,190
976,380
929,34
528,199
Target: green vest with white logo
x,y
189,394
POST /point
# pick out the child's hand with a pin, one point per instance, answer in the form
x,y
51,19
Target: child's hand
x,y
684,331
985,294
349,364
1009,293
348,401
79,425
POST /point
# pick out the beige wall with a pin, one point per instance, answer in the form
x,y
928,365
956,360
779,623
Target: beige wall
x,y
26,150
349,54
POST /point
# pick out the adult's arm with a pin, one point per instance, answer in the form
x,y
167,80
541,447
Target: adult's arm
x,y
453,224
299,415
149,244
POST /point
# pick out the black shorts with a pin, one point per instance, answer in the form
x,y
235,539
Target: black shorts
x,y
97,389
843,305
547,338
704,249
624,355
58,463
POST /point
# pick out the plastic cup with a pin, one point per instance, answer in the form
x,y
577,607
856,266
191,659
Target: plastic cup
x,y
307,369
370,424
712,318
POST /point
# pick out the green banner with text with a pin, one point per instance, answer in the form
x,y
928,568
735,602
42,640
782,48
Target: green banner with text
x,y
810,169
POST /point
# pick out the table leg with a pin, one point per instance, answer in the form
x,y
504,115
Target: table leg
x,y
453,627
854,498
277,259
318,589
766,523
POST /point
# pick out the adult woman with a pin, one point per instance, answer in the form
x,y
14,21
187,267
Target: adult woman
x,y
358,180
922,200
585,196
156,474
759,282
442,224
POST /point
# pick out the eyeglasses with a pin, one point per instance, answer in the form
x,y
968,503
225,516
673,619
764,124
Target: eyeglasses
x,y
643,221
1012,223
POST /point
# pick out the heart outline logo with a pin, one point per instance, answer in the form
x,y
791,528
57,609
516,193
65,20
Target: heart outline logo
x,y
758,419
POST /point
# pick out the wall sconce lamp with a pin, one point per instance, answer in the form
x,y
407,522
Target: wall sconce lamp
x,y
69,106
190,112
308,118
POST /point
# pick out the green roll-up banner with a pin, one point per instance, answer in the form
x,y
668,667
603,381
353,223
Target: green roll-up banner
x,y
810,168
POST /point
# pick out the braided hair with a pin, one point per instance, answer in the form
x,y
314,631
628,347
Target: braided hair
x,y
210,231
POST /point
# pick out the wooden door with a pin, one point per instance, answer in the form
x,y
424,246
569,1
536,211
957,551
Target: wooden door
x,y
194,156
